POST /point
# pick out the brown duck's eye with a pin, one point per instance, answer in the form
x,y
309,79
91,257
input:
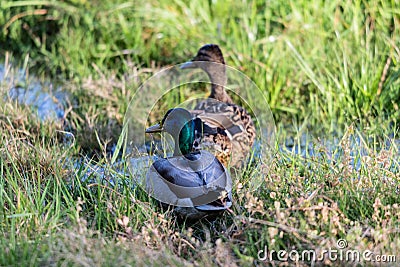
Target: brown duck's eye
x,y
202,54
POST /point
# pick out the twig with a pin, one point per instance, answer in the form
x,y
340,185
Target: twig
x,y
383,76
24,14
285,228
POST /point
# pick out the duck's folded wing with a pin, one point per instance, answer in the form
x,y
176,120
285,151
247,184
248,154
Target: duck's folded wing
x,y
228,131
233,119
219,204
182,182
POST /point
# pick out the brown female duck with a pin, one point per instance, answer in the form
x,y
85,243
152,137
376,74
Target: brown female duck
x,y
231,131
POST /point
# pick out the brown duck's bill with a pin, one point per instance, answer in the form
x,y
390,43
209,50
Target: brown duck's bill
x,y
188,65
156,128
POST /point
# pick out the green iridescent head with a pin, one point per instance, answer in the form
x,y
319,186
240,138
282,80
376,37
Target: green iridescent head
x,y
179,123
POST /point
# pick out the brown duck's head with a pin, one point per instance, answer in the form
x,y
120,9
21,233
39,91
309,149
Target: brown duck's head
x,y
207,53
210,52
210,59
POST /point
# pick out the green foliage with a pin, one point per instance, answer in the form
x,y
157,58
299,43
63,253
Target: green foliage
x,y
322,58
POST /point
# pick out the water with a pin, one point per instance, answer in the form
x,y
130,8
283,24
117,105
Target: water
x,y
331,149
46,100
116,175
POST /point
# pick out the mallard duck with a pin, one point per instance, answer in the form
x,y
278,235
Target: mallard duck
x,y
194,182
234,131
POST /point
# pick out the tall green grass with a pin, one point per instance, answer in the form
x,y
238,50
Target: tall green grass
x,y
335,61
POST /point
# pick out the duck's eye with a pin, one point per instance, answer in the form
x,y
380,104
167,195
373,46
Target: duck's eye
x,y
202,54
